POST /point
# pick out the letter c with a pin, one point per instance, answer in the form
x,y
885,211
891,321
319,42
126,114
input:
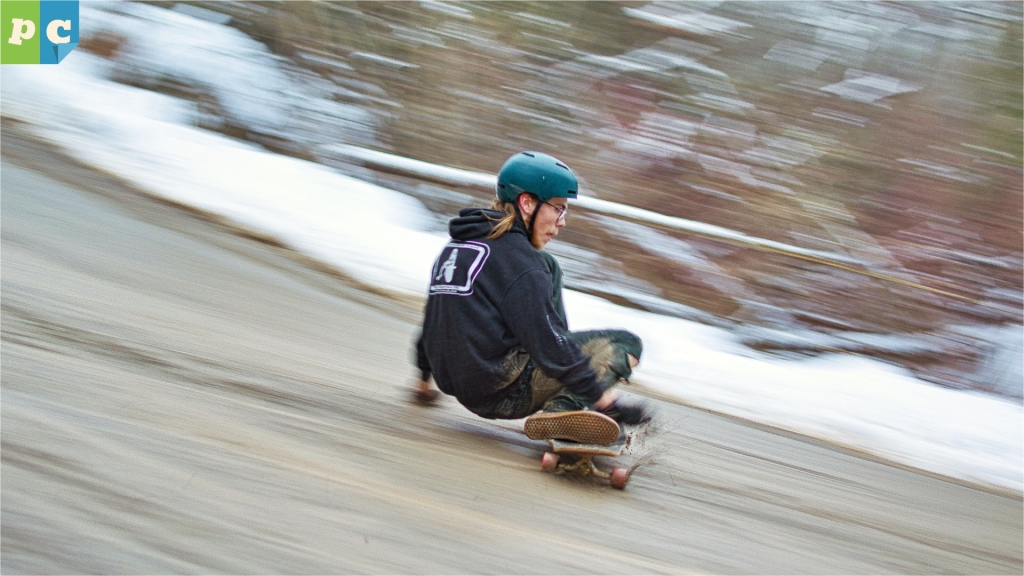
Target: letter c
x,y
23,30
51,31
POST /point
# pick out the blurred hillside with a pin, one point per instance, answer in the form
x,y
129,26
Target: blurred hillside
x,y
888,132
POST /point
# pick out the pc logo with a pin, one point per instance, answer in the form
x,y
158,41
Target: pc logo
x,y
37,31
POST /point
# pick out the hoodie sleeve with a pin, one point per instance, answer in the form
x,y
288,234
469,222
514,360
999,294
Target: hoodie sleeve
x,y
421,359
530,314
556,286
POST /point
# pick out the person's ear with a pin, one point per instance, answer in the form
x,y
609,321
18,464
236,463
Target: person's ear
x,y
527,204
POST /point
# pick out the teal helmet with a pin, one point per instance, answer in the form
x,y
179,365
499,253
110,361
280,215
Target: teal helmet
x,y
544,176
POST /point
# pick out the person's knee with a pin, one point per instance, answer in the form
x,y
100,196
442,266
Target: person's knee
x,y
631,344
602,355
613,353
628,350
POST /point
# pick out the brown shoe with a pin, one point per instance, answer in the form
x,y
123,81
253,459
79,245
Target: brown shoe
x,y
583,426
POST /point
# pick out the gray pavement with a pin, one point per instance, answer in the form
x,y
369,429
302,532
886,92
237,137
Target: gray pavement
x,y
180,398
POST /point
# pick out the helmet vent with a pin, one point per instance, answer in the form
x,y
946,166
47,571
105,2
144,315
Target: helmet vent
x,y
528,154
560,165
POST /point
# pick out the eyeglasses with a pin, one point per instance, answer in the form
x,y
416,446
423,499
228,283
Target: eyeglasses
x,y
561,211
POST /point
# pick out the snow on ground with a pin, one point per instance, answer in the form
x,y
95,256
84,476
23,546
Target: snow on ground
x,y
373,233
379,236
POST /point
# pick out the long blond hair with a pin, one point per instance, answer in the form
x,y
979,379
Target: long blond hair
x,y
505,223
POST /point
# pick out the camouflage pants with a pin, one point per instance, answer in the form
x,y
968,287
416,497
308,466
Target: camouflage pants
x,y
533,390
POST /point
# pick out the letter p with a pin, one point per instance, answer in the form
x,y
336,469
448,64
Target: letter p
x,y
23,30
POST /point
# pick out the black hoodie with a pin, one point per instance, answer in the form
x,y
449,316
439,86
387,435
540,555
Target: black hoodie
x,y
487,299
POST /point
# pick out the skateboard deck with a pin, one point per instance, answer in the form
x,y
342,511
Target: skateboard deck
x,y
578,460
565,447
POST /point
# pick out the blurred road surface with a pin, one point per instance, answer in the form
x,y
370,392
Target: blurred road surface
x,y
179,398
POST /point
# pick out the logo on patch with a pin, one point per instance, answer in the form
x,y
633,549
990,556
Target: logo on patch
x,y
457,267
37,31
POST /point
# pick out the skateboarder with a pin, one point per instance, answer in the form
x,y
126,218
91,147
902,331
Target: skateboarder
x,y
494,332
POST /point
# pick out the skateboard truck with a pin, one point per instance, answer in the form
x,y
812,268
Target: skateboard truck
x,y
581,460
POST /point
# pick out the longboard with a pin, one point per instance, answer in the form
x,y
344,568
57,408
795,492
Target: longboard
x,y
579,460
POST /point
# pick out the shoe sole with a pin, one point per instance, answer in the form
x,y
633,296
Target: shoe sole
x,y
583,426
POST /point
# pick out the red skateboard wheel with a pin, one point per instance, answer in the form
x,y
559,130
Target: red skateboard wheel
x,y
549,462
619,477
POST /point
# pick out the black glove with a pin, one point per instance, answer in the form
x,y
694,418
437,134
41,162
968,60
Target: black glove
x,y
638,413
425,397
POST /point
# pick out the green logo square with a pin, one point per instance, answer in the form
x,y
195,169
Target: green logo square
x,y
19,41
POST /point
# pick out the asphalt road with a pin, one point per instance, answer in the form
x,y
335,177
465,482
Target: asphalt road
x,y
181,398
